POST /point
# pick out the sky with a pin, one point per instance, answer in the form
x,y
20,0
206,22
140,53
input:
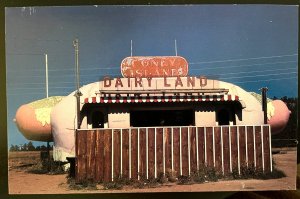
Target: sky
x,y
251,46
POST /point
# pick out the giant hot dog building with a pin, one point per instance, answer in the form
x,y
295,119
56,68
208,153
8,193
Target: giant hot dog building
x,y
187,120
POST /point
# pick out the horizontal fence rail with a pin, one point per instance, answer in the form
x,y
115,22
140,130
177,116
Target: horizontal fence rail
x,y
103,155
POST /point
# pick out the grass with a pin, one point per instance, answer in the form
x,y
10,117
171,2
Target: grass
x,y
31,162
143,182
118,183
203,175
253,173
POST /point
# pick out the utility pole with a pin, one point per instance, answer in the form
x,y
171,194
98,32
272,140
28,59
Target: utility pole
x,y
47,95
78,93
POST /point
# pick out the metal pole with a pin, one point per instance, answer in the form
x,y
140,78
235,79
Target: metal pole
x,y
46,63
76,46
131,48
78,93
175,47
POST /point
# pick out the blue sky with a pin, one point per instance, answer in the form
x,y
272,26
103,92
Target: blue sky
x,y
248,45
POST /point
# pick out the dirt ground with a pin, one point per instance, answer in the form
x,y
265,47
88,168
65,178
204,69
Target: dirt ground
x,y
23,182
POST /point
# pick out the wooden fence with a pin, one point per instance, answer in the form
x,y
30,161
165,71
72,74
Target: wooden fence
x,y
104,154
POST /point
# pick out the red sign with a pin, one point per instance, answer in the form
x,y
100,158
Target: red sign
x,y
160,66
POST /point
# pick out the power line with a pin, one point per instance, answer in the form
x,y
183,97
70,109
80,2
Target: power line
x,y
85,69
37,39
43,95
70,69
61,75
25,53
245,59
13,94
258,71
238,66
260,75
62,87
51,83
266,80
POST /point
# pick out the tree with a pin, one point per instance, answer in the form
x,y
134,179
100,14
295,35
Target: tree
x,y
30,146
43,148
24,147
12,148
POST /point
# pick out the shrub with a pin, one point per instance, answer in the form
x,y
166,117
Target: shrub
x,y
87,184
48,166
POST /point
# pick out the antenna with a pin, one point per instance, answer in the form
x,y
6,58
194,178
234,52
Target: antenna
x,y
76,47
175,47
131,48
46,63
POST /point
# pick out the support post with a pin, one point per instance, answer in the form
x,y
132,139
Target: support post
x,y
264,103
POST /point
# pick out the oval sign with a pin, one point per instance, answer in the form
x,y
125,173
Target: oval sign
x,y
159,66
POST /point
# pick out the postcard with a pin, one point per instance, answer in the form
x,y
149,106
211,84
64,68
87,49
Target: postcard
x,y
151,98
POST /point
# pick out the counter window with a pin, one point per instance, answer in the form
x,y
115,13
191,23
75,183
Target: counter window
x,y
223,117
97,119
162,118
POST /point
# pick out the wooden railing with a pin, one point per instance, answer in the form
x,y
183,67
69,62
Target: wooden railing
x,y
105,154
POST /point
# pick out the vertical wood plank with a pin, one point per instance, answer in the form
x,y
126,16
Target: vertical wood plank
x,y
168,149
266,140
90,161
176,151
201,146
234,148
226,156
184,145
209,146
151,162
77,159
142,158
242,143
193,152
258,146
107,155
125,153
134,153
250,145
117,153
218,152
81,173
159,151
99,155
